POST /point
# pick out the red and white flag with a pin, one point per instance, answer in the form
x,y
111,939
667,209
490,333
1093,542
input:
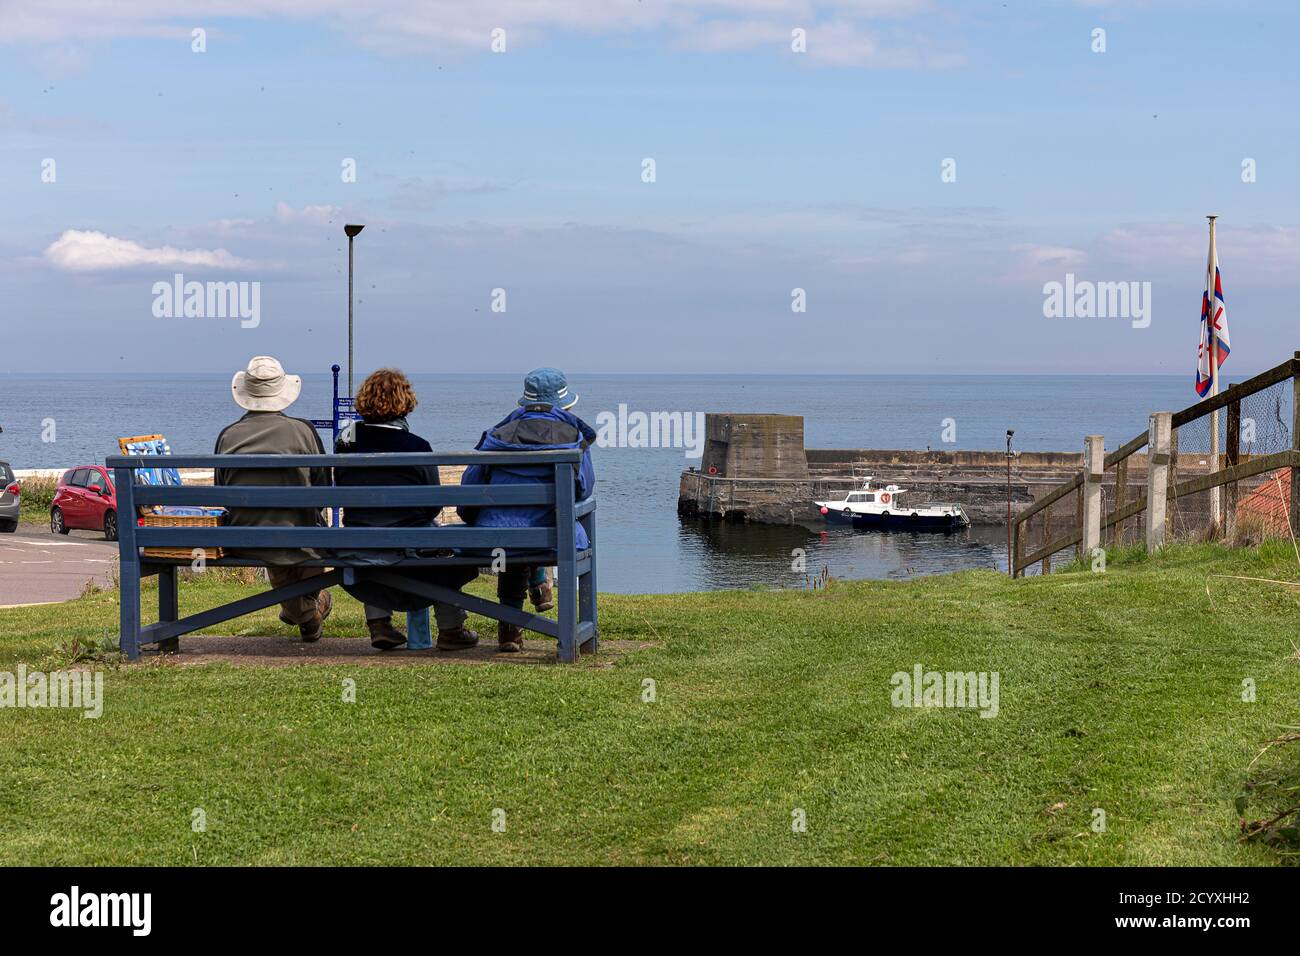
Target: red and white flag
x,y
1214,315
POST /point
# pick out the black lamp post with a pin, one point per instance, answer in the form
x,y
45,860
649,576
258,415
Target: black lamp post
x,y
351,232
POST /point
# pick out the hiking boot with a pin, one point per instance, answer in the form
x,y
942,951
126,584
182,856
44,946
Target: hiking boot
x,y
457,639
383,636
541,596
510,639
310,631
324,604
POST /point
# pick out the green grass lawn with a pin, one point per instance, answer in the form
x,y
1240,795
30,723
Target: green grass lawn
x,y
1120,691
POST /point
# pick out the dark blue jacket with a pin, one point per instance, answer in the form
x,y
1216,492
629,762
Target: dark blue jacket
x,y
530,429
361,438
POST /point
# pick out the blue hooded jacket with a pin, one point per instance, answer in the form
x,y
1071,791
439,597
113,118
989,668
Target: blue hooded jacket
x,y
532,428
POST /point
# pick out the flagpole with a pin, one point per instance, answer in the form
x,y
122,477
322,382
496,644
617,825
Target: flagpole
x,y
1215,512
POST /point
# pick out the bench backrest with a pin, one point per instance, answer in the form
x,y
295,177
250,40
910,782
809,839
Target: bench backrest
x,y
559,492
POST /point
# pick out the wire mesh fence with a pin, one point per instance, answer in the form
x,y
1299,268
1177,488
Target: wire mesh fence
x,y
1261,426
1244,493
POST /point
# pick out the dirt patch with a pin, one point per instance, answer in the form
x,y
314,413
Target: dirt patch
x,y
284,652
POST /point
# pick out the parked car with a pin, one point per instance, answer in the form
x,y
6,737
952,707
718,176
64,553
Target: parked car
x,y
85,498
10,492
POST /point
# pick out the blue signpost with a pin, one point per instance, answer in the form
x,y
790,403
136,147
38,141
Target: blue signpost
x,y
343,409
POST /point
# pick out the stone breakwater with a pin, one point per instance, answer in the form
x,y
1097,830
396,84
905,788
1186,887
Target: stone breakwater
x,y
755,468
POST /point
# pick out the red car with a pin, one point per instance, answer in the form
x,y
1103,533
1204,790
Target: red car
x,y
85,498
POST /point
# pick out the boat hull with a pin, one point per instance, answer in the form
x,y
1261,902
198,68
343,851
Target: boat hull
x,y
903,522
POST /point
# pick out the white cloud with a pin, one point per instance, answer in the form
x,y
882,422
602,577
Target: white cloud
x,y
1062,256
838,29
82,251
316,215
1031,263
1264,253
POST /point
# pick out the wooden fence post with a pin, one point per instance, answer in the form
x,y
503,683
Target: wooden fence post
x,y
1018,532
1047,537
1121,493
1171,516
1294,516
1094,463
1159,441
1231,459
1078,520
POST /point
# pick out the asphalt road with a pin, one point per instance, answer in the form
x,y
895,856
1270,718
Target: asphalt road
x,y
37,567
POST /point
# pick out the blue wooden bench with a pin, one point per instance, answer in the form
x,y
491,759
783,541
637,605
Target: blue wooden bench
x,y
553,545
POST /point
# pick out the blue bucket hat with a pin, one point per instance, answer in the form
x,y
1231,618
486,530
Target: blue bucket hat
x,y
547,386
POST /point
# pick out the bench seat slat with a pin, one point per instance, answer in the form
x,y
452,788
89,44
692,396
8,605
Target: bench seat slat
x,y
530,557
452,536
387,460
344,496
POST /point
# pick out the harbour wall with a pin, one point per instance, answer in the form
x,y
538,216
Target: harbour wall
x,y
755,468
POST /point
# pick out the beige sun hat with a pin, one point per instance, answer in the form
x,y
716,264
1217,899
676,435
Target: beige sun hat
x,y
263,386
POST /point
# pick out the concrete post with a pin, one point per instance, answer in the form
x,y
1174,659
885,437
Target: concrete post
x,y
1094,464
1158,454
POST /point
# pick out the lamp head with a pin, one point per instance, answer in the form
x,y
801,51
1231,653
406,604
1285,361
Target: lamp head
x,y
352,230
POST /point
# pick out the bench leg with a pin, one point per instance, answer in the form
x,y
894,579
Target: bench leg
x,y
587,610
567,610
129,613
587,589
169,605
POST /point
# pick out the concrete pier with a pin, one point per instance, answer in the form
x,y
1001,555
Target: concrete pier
x,y
755,468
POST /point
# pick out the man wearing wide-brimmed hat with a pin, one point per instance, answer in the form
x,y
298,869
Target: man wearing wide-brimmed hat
x,y
265,391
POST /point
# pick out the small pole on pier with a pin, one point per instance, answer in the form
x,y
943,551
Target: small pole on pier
x,y
1011,562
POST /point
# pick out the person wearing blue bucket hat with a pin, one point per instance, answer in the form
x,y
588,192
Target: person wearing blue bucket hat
x,y
547,386
542,422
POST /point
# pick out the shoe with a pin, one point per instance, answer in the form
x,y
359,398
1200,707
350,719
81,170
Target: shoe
x,y
324,604
541,596
310,632
383,636
456,640
510,639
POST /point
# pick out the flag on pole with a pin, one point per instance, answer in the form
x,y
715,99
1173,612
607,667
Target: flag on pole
x,y
1214,315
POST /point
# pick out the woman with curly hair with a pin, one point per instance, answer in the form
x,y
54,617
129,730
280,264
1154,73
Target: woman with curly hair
x,y
383,401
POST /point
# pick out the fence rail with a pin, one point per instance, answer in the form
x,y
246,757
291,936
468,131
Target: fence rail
x,y
1265,442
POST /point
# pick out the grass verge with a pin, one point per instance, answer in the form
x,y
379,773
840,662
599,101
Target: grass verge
x,y
1120,691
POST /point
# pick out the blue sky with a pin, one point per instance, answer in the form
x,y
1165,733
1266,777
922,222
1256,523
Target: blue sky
x,y
522,171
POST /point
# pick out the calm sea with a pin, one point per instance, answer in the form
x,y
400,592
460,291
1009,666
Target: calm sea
x,y
642,545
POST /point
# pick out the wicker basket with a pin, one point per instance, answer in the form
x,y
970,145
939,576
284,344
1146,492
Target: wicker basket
x,y
181,521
